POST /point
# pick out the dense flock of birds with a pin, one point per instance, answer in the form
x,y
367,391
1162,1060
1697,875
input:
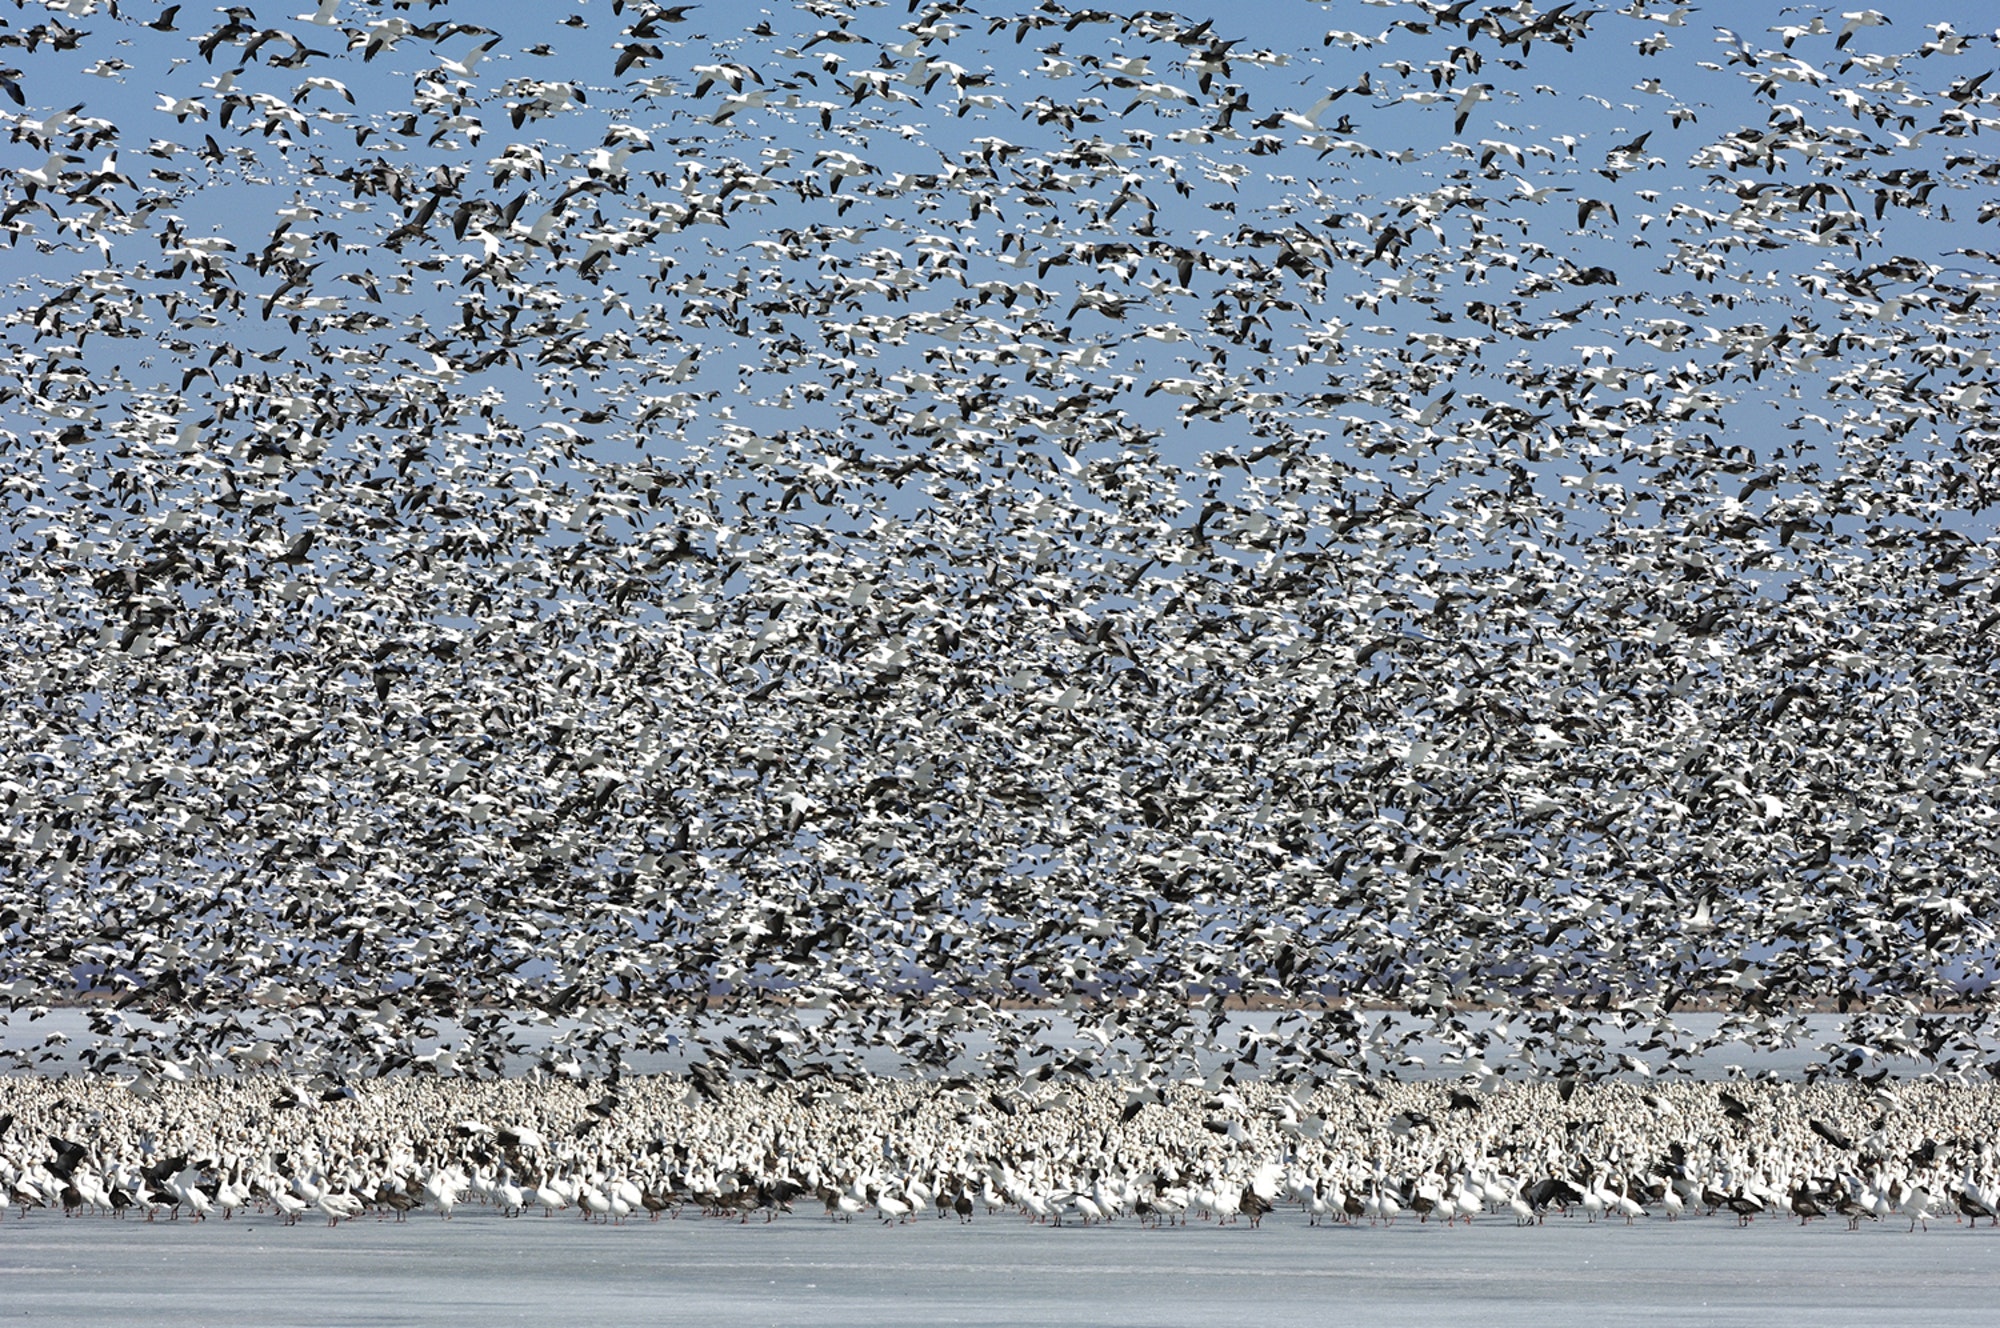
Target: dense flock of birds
x,y
868,525
1101,1151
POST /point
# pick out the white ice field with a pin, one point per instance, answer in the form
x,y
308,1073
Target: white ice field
x,y
1001,1270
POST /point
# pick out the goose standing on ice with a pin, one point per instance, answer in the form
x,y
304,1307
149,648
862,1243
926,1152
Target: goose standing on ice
x,y
549,1196
626,1198
1745,1208
1917,1200
441,1190
339,1207
1469,1197
1524,1212
894,1211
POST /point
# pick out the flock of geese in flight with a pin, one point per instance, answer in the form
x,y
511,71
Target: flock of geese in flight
x,y
1001,536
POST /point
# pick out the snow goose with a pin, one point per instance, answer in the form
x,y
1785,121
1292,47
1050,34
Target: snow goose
x,y
1524,1212
1917,1202
1087,1208
548,1196
1877,1200
230,1196
1253,1205
893,1210
1469,1198
441,1190
338,1206
1745,1208
1854,1203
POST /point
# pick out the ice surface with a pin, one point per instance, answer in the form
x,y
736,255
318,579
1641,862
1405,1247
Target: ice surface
x,y
805,1270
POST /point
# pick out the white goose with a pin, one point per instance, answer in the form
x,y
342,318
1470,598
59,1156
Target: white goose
x,y
1524,1213
893,1210
550,1196
441,1190
338,1207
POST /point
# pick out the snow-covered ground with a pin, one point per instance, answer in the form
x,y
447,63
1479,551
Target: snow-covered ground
x,y
480,1269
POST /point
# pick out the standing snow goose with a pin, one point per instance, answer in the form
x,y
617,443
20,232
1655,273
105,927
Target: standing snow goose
x,y
548,1196
230,1196
1917,1202
1470,1198
1745,1208
1968,1204
893,1210
1254,1204
1087,1208
441,1190
338,1206
1854,1203
1524,1212
185,1188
